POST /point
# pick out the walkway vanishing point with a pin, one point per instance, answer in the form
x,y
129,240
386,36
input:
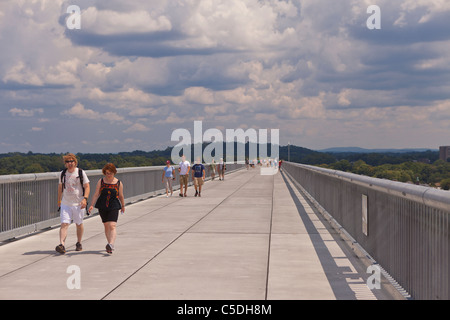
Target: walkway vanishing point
x,y
250,237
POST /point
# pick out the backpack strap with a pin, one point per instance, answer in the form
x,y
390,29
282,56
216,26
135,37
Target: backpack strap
x,y
63,178
80,176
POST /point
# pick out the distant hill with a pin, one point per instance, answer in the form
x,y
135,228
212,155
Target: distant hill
x,y
362,150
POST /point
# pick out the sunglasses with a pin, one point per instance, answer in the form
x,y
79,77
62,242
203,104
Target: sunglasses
x,y
69,161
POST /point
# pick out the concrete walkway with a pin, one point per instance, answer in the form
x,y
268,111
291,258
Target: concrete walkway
x,y
249,237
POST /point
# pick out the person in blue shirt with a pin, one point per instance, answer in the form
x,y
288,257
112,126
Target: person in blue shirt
x,y
199,173
167,177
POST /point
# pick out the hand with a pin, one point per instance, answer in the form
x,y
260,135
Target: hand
x,y
83,203
90,208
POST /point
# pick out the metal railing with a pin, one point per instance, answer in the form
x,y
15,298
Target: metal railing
x,y
28,202
404,227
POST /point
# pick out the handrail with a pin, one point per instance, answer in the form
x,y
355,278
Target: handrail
x,y
403,227
28,201
54,175
439,199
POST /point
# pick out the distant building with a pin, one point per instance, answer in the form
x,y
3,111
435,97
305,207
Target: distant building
x,y
444,153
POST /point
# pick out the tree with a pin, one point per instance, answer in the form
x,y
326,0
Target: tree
x,y
445,184
342,165
33,168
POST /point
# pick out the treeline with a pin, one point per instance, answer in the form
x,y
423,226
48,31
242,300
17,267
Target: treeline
x,y
414,167
411,167
18,163
307,156
432,174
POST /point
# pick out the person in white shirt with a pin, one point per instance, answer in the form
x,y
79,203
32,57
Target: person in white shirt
x,y
184,168
72,200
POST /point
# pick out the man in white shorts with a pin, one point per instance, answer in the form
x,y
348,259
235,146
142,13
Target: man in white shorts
x,y
73,195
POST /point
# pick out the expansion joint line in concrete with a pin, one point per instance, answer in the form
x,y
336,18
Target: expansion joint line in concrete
x,y
270,240
174,240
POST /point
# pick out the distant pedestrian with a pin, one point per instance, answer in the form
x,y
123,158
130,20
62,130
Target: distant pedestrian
x,y
109,200
199,174
279,164
222,168
167,177
183,169
73,194
212,168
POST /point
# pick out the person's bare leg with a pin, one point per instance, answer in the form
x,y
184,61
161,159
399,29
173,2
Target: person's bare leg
x,y
80,231
63,233
110,232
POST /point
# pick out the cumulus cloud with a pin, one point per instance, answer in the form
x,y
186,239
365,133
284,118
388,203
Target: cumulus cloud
x,y
109,22
25,112
137,127
310,68
80,112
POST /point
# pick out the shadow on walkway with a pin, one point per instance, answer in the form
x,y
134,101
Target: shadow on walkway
x,y
339,277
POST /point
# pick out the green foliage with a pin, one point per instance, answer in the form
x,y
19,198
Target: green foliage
x,y
411,171
404,167
445,184
18,163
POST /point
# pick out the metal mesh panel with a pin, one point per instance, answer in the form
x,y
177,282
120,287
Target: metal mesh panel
x,y
29,201
408,225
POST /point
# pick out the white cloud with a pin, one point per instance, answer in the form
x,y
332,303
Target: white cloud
x,y
199,95
22,74
139,112
79,111
430,8
137,127
108,22
343,98
130,95
64,73
296,65
25,112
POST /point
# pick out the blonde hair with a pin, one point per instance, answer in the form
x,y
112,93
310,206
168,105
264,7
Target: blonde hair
x,y
70,156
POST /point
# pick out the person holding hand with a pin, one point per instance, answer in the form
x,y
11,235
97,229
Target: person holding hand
x,y
73,194
109,200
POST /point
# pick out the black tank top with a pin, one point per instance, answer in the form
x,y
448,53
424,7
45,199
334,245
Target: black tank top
x,y
109,196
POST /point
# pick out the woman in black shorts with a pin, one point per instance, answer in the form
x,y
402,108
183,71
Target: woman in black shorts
x,y
108,199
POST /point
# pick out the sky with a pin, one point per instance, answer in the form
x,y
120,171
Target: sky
x,y
135,71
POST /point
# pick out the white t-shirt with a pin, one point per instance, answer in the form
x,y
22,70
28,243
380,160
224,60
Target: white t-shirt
x,y
184,167
73,191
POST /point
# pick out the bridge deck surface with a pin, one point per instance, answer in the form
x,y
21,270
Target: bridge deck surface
x,y
249,237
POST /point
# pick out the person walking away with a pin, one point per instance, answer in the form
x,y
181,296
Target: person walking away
x,y
199,174
167,177
73,194
183,170
109,200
